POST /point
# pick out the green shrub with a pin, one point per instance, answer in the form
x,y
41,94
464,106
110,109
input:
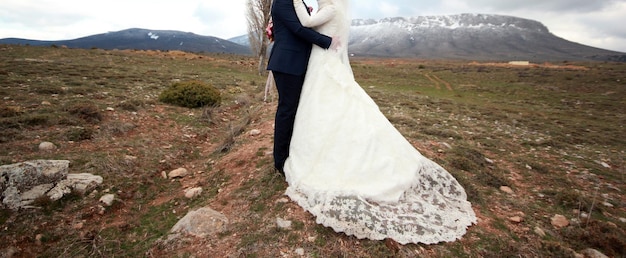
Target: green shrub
x,y
191,94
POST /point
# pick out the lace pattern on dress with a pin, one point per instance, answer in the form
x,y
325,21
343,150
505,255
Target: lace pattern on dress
x,y
433,210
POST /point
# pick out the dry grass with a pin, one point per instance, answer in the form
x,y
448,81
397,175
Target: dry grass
x,y
552,132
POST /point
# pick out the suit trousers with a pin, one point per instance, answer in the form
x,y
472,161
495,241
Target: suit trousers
x,y
289,88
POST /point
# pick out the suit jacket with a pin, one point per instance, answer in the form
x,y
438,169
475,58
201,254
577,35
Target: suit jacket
x,y
292,41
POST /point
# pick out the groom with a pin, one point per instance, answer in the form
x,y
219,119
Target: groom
x,y
288,62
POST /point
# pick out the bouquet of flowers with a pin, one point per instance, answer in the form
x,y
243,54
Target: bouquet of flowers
x,y
269,31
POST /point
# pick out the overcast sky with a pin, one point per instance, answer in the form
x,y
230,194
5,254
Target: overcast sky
x,y
598,23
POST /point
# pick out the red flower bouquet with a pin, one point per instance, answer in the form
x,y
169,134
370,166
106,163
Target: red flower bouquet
x,y
269,31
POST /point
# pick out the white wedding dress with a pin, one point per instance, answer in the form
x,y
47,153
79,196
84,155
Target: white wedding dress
x,y
351,168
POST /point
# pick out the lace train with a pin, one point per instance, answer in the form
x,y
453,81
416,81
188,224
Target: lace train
x,y
433,210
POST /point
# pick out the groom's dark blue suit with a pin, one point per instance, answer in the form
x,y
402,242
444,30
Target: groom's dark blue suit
x,y
288,62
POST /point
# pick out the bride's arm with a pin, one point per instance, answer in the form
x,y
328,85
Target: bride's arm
x,y
321,17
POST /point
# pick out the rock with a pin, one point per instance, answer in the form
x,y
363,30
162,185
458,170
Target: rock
x,y
603,164
623,220
78,225
9,252
559,221
93,194
282,200
100,209
193,192
201,223
284,224
300,251
540,232
26,175
23,177
448,146
255,132
12,198
84,182
107,199
607,204
81,183
47,146
38,238
59,191
506,189
593,253
129,158
516,219
33,194
178,173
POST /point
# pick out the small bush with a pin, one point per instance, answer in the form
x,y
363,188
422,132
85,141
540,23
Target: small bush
x,y
117,128
9,135
467,159
9,111
32,120
605,237
131,105
191,94
79,133
86,111
47,89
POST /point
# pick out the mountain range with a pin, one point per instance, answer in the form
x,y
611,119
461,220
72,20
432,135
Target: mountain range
x,y
462,36
144,39
468,36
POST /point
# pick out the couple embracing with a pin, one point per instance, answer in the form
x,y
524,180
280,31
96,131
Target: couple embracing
x,y
345,163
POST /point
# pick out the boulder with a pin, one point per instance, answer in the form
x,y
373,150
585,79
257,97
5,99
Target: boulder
x,y
201,223
22,183
25,175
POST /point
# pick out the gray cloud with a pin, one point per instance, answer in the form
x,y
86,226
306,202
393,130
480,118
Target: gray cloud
x,y
38,16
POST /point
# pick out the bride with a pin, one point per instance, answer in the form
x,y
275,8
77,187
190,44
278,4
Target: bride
x,y
351,168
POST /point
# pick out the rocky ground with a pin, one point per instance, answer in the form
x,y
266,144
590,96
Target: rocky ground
x,y
545,173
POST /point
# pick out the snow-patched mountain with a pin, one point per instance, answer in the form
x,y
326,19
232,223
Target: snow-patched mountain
x,y
467,36
145,39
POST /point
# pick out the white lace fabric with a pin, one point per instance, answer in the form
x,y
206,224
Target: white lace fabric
x,y
351,168
433,210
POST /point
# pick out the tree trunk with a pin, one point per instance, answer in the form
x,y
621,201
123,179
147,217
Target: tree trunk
x,y
263,58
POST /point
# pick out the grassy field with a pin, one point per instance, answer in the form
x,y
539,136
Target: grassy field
x,y
553,133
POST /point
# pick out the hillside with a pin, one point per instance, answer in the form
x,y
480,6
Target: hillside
x,y
538,148
144,39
